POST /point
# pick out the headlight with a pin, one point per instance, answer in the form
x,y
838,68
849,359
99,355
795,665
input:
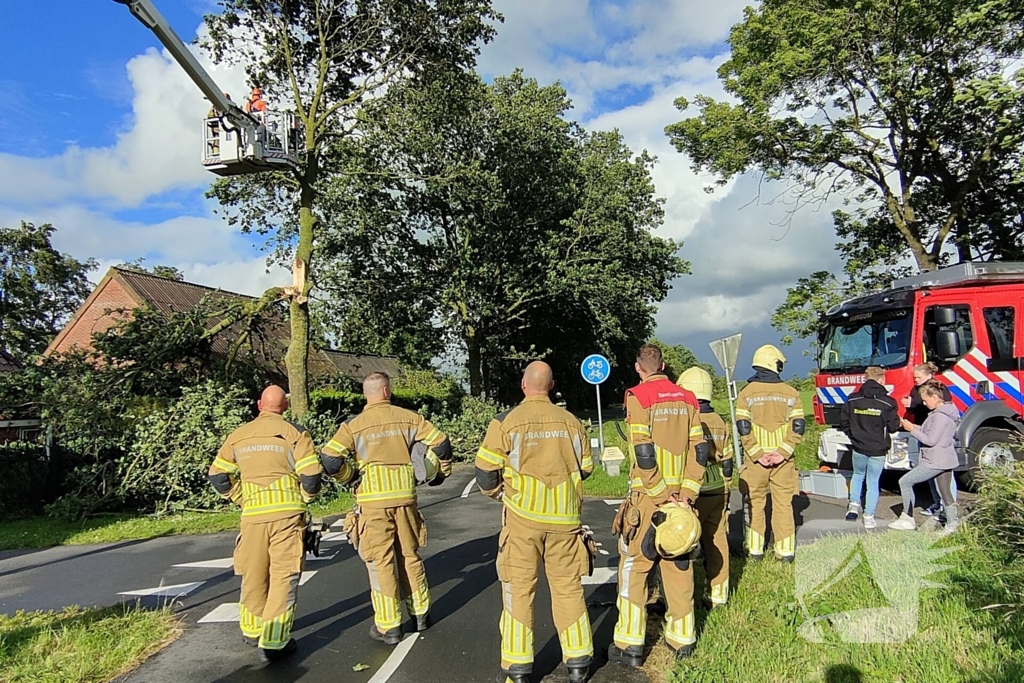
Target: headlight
x,y
899,452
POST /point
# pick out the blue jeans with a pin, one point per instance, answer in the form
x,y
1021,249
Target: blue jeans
x,y
871,467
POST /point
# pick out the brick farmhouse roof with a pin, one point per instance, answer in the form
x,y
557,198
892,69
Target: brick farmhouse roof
x,y
123,289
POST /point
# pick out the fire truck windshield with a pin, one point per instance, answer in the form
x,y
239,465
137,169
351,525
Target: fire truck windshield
x,y
872,338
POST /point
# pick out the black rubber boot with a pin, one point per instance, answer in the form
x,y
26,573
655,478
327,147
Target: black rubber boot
x,y
786,559
658,608
631,656
269,656
754,558
684,652
392,637
517,675
579,669
423,622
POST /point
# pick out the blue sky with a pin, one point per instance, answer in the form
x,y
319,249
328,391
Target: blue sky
x,y
99,135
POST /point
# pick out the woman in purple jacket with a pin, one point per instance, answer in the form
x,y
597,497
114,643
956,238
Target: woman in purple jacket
x,y
938,457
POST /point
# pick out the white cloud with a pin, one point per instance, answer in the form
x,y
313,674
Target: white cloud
x,y
159,149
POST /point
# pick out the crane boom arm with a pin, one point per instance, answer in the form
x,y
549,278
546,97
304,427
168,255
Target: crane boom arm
x,y
147,13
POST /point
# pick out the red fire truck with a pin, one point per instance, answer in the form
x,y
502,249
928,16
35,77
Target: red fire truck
x,y
968,319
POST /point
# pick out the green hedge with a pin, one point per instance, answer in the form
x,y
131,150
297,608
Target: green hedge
x,y
23,484
340,404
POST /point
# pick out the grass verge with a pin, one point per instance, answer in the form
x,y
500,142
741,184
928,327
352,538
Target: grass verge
x,y
81,646
960,637
43,532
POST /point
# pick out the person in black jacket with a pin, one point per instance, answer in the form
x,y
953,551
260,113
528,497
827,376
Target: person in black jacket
x,y
868,417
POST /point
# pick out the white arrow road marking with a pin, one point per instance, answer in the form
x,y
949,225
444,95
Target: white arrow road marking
x,y
400,652
228,612
614,502
306,576
602,551
602,575
175,591
469,488
224,563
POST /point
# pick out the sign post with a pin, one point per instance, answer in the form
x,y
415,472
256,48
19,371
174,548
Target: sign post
x,y
595,369
726,351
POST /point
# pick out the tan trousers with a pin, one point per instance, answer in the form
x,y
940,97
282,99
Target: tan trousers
x,y
520,551
713,511
269,558
783,482
389,543
634,568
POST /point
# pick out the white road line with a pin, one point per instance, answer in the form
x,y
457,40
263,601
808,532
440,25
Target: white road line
x,y
306,576
602,551
175,591
614,502
312,558
469,488
602,575
226,613
334,536
223,563
338,524
400,652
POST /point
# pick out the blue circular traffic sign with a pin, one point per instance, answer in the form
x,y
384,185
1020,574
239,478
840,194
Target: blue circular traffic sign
x,y
595,368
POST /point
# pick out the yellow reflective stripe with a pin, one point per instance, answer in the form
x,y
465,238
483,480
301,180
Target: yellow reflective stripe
x,y
742,412
786,448
691,485
419,602
697,433
387,612
308,461
753,542
658,488
278,631
252,624
713,477
577,640
340,448
434,433
491,457
631,627
531,499
680,632
786,547
588,462
516,640
386,482
283,494
796,412
720,592
225,466
640,429
670,466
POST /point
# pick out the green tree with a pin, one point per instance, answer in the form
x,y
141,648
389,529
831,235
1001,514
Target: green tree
x,y
324,59
169,272
492,224
910,109
678,359
40,288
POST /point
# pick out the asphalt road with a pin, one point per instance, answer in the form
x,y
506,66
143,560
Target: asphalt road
x,y
334,612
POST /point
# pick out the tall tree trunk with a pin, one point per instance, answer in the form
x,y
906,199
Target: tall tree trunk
x,y
297,360
475,378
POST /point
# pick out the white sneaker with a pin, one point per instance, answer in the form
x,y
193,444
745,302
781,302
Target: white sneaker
x,y
852,512
869,522
904,523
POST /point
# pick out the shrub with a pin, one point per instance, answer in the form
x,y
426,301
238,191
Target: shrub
x,y
999,511
467,428
166,466
25,469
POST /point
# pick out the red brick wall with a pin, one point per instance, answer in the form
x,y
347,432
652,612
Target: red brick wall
x,y
94,319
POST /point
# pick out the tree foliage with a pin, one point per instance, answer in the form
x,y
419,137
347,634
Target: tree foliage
x,y
169,272
489,222
678,359
324,59
913,110
40,288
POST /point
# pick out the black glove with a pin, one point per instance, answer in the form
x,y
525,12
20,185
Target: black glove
x,y
727,468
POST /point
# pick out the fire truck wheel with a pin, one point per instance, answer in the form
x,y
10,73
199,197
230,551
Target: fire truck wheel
x,y
990,447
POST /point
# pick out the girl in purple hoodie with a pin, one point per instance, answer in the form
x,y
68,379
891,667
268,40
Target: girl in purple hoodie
x,y
938,457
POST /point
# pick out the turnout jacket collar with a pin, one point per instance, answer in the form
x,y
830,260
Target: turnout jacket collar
x,y
766,376
377,404
705,406
537,399
657,388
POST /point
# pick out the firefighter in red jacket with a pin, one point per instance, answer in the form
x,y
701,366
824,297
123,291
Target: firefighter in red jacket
x,y
669,454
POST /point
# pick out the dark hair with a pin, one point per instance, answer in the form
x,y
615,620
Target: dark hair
x,y
649,357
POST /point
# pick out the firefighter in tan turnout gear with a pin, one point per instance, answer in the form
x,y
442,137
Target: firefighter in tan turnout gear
x,y
534,459
713,503
269,467
669,457
386,451
770,420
